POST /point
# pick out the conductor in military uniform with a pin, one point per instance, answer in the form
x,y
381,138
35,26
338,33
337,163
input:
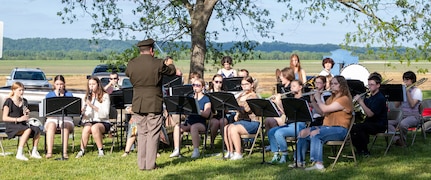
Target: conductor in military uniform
x,y
145,73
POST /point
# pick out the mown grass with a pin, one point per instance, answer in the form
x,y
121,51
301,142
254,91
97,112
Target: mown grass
x,y
400,163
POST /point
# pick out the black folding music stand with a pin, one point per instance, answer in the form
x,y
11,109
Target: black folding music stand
x,y
181,105
232,84
393,92
169,81
181,90
223,101
296,110
117,101
356,86
62,106
263,108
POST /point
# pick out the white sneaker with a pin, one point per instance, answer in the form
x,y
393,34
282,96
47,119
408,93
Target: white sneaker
x,y
101,154
36,155
275,159
236,156
316,167
195,154
175,153
283,159
21,157
228,155
80,154
296,165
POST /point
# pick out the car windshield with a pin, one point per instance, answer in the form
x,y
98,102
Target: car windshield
x,y
126,83
29,75
109,69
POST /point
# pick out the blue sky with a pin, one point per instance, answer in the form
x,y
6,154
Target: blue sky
x,y
37,18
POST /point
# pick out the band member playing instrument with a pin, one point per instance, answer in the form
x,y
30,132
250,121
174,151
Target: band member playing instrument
x,y
295,64
246,121
217,121
375,111
410,108
15,115
338,113
53,124
327,64
96,115
194,123
277,135
113,83
286,76
320,85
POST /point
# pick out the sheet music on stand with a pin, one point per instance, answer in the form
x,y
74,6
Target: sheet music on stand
x,y
394,92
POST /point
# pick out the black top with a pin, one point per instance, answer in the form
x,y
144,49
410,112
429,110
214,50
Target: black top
x,y
377,104
14,110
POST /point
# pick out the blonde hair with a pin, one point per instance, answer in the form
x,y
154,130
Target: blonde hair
x,y
15,86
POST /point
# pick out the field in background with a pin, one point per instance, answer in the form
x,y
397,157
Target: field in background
x,y
264,70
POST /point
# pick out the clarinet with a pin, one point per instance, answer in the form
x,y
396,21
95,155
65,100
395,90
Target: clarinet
x,y
85,107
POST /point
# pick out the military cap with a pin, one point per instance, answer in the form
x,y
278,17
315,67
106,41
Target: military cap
x,y
148,42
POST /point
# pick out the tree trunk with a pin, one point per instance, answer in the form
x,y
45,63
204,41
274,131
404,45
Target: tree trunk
x,y
200,16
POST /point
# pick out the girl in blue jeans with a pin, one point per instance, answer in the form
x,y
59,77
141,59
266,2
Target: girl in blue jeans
x,y
338,114
277,135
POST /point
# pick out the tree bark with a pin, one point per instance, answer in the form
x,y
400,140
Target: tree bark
x,y
200,16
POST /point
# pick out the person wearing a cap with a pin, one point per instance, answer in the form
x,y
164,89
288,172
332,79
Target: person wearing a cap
x,y
145,73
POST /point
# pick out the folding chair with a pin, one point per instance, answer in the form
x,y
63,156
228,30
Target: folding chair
x,y
394,114
347,141
426,115
204,133
254,137
425,104
112,132
3,135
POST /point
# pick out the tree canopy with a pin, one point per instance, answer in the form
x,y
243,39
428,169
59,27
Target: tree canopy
x,y
389,24
384,23
168,21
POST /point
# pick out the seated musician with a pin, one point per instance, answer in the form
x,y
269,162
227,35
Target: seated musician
x,y
227,71
320,85
194,123
410,108
53,124
113,83
286,76
375,111
299,72
96,115
338,113
15,115
246,121
217,121
277,135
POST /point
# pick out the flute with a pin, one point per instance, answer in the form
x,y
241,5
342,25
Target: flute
x,y
314,92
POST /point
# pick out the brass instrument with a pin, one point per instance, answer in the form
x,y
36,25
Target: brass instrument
x,y
386,81
417,83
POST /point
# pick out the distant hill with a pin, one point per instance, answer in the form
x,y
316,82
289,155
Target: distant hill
x,y
68,44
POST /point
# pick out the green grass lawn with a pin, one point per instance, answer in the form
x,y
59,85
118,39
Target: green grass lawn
x,y
400,163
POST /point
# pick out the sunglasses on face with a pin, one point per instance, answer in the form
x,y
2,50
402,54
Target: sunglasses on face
x,y
113,78
197,85
217,82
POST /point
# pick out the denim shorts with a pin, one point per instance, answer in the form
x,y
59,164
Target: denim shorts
x,y
250,126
